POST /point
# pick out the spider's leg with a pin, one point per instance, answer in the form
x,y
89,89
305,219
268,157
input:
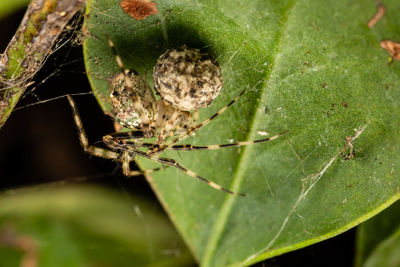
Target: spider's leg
x,y
207,147
126,169
93,150
167,161
120,64
196,115
128,137
213,147
106,153
136,134
175,164
198,126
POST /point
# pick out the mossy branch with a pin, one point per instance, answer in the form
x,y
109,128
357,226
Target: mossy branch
x,y
32,43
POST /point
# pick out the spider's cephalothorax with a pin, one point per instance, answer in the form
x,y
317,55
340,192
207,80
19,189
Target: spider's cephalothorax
x,y
133,103
186,80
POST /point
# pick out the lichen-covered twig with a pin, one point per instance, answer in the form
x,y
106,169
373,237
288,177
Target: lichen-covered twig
x,y
32,43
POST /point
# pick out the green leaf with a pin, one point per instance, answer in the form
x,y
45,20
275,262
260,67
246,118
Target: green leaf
x,y
319,72
9,6
386,254
378,236
86,227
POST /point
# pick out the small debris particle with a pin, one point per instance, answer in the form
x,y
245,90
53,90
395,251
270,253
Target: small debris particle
x,y
266,110
262,133
230,141
344,201
392,48
377,17
324,85
352,152
139,9
344,104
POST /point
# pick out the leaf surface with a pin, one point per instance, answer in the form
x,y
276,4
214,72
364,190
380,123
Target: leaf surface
x,y
9,6
313,68
86,227
378,237
386,253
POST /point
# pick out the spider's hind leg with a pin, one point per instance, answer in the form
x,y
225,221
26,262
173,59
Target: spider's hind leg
x,y
93,150
132,148
126,169
125,158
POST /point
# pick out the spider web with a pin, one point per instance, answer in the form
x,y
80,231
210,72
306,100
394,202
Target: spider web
x,y
209,221
64,66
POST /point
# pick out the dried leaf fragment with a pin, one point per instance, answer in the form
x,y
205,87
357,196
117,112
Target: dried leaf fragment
x,y
392,48
139,9
379,14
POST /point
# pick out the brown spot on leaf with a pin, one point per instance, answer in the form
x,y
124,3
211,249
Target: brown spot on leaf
x,y
392,48
139,9
379,14
388,86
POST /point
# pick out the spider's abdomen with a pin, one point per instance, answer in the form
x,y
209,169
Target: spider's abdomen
x,y
132,100
187,78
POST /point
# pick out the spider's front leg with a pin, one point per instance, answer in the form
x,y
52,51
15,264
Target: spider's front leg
x,y
195,128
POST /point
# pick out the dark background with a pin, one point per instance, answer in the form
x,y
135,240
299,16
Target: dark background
x,y
39,144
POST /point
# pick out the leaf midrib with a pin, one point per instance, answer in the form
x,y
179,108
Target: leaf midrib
x,y
226,207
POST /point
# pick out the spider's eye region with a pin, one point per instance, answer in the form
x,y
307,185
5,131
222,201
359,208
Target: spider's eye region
x,y
187,78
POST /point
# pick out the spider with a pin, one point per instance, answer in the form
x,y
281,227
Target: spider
x,y
186,80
